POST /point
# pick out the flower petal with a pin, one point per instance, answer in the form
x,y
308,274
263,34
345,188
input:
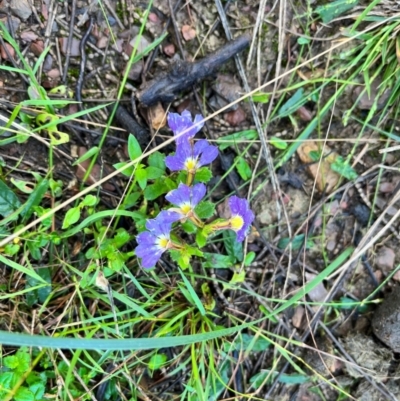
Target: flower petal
x,y
177,161
207,152
151,258
146,238
170,216
240,207
158,227
179,196
183,123
198,192
174,163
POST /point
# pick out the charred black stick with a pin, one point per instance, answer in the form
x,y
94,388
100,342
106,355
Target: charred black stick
x,y
184,75
127,122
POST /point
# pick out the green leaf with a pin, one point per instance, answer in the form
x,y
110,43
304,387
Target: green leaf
x,y
314,155
90,153
278,143
154,172
332,10
9,202
116,261
237,137
201,238
134,149
169,183
128,172
248,260
297,242
6,380
289,107
243,168
294,378
131,199
57,137
247,342
205,210
208,298
341,166
155,190
180,257
189,227
157,361
141,176
24,360
71,217
238,278
23,186
260,97
157,160
11,362
11,249
121,238
233,247
61,90
303,41
24,394
34,249
89,200
203,174
38,390
34,199
217,261
39,294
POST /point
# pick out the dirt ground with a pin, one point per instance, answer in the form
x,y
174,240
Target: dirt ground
x,y
355,349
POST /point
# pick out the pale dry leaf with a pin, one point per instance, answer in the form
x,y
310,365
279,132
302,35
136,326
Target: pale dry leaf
x,y
321,171
188,32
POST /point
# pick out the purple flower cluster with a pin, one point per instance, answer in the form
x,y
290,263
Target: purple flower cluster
x,y
189,156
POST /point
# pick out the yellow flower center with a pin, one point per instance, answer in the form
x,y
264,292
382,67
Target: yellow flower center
x,y
163,242
186,208
236,223
190,164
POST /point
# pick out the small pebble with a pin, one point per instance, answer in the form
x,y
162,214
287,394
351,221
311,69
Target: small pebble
x,y
236,117
21,8
385,259
188,32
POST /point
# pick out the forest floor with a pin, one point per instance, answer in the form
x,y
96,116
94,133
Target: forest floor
x,y
301,100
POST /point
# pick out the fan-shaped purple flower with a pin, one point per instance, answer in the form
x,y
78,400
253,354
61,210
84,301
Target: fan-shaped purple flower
x,y
154,242
242,217
191,158
186,198
183,122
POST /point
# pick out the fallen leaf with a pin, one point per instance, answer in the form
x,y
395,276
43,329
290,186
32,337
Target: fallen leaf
x,y
235,117
319,292
319,169
298,317
157,116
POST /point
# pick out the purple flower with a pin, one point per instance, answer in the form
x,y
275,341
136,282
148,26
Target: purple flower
x,y
154,242
183,123
191,157
186,198
242,217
